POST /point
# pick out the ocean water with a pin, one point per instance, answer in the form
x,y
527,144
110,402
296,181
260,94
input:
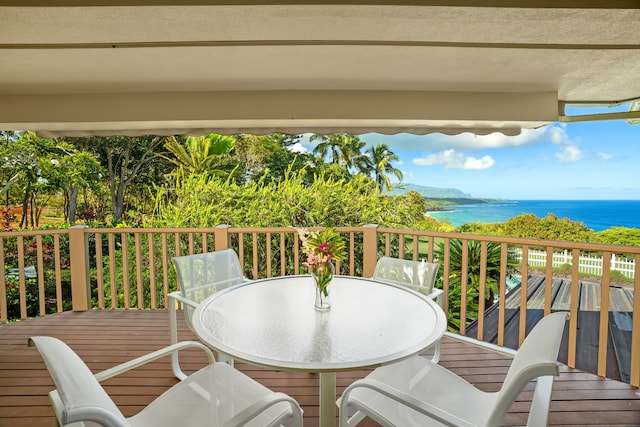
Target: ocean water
x,y
595,214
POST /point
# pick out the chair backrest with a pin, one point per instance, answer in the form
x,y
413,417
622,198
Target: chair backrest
x,y
537,357
78,395
202,275
418,275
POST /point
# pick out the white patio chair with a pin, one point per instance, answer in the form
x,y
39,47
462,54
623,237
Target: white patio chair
x,y
418,392
417,275
201,276
216,395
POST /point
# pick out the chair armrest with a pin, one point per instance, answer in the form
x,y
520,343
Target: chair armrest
x,y
404,399
436,294
178,296
243,417
142,360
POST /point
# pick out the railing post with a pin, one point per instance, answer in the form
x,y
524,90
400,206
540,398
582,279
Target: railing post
x,y
222,236
369,249
79,264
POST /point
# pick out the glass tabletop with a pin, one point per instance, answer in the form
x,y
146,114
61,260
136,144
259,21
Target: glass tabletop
x,y
273,322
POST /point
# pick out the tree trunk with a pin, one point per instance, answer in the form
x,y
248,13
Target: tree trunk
x,y
118,201
25,205
73,203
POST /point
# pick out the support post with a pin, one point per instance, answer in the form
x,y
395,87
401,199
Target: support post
x,y
369,249
222,236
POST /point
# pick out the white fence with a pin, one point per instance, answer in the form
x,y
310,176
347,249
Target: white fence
x,y
588,264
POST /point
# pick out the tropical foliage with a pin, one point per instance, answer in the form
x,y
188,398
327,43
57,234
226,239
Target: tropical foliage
x,y
531,226
196,201
473,267
209,154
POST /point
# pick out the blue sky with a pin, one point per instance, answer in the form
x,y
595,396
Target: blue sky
x,y
575,161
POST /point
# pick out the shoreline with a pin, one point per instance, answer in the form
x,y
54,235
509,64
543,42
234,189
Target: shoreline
x,y
598,215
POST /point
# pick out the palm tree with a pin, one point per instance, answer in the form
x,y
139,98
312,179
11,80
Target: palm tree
x,y
352,155
208,154
381,158
329,143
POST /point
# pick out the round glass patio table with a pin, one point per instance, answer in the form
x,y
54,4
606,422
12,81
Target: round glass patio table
x,y
273,323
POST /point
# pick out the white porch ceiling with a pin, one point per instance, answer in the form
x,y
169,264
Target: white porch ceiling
x,y
142,66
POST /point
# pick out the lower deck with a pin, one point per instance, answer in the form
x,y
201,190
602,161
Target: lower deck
x,y
105,338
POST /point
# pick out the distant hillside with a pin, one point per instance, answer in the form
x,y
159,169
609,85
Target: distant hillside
x,y
433,192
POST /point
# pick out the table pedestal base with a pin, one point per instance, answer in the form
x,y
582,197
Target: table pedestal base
x,y
327,399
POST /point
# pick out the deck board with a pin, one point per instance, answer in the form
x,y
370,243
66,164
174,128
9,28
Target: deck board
x,y
105,338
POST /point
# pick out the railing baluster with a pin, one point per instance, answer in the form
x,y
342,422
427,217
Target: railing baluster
x,y
165,271
125,269
352,253
56,248
524,282
574,304
464,277
138,253
4,315
548,292
296,253
99,269
152,271
21,280
40,275
241,248
112,271
268,241
603,334
635,334
176,237
502,293
446,274
387,244
283,258
254,239
482,288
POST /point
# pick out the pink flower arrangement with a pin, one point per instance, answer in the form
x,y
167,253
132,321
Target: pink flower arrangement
x,y
321,247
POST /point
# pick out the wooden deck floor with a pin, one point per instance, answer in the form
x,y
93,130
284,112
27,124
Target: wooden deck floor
x,y
106,338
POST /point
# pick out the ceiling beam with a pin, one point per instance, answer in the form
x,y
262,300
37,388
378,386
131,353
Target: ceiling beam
x,y
527,4
279,111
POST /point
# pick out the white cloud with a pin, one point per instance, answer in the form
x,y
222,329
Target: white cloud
x,y
297,148
558,135
570,153
449,158
604,156
484,162
454,160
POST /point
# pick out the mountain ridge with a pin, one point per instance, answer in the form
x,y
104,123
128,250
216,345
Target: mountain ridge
x,y
432,192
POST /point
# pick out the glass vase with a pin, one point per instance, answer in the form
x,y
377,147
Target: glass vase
x,y
322,275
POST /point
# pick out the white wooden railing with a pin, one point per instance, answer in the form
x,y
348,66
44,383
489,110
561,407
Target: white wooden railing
x,y
587,264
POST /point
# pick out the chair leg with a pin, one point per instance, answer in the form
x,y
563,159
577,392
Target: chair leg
x,y
173,326
436,353
349,421
541,402
226,359
438,346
